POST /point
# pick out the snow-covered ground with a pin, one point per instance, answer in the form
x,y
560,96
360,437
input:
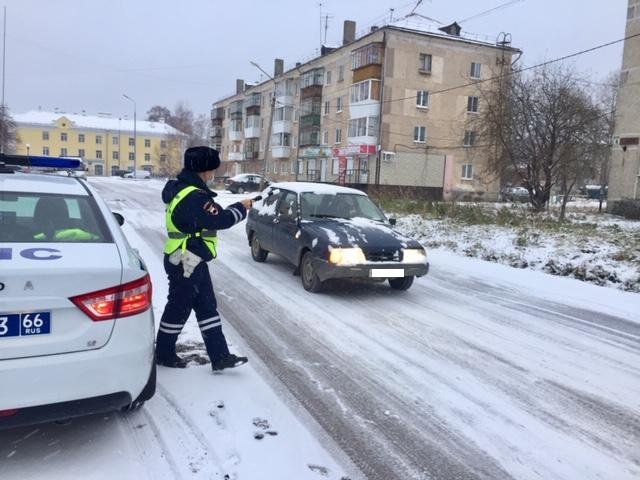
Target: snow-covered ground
x,y
601,249
479,371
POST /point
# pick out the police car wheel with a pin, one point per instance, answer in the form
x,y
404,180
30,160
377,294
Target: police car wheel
x,y
257,252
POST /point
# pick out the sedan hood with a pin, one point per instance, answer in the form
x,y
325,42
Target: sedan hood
x,y
365,233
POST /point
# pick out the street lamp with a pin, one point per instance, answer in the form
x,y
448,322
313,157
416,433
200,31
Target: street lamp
x,y
273,108
28,147
135,141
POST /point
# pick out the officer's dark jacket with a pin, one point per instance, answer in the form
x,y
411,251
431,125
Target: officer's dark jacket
x,y
198,210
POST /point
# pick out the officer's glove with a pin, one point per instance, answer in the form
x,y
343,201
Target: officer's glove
x,y
189,262
175,257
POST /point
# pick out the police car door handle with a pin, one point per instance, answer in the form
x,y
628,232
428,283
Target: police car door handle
x,y
276,220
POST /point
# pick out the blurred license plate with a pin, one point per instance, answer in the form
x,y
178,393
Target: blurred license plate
x,y
387,272
25,324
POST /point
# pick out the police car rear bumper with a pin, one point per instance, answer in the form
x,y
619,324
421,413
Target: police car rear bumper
x,y
93,381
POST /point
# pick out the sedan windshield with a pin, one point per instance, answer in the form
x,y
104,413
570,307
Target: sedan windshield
x,y
341,205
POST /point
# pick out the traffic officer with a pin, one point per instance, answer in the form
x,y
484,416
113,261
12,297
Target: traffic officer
x,y
192,218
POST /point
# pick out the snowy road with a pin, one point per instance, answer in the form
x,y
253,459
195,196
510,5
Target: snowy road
x,y
460,377
479,371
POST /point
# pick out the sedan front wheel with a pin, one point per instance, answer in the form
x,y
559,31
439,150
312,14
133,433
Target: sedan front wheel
x,y
310,280
402,283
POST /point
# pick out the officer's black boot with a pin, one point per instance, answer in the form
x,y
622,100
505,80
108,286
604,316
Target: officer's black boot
x,y
228,361
172,362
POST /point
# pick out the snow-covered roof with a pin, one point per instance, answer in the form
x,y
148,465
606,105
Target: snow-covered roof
x,y
319,188
94,122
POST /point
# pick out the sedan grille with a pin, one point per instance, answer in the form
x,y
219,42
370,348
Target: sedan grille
x,y
382,256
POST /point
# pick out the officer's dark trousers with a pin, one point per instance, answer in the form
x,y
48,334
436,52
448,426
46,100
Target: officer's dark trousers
x,y
185,294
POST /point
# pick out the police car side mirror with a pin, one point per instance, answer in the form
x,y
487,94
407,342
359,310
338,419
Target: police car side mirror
x,y
392,221
119,218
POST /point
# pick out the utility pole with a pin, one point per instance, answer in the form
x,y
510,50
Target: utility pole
x,y
135,139
273,109
3,112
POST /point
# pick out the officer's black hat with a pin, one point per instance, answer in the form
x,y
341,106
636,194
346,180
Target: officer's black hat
x,y
201,159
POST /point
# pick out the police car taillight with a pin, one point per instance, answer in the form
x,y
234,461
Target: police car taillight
x,y
116,302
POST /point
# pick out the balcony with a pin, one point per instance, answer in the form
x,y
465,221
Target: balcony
x,y
368,55
253,100
310,92
251,155
217,116
235,111
280,152
307,121
235,135
236,156
282,126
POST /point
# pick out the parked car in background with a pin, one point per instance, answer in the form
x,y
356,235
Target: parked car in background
x,y
514,194
76,323
244,182
138,174
329,231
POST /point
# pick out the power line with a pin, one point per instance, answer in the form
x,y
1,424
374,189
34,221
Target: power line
x,y
486,12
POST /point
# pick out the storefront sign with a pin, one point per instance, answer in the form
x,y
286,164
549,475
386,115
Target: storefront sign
x,y
351,150
312,152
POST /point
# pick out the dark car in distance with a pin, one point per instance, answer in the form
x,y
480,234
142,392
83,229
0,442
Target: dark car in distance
x,y
329,231
244,182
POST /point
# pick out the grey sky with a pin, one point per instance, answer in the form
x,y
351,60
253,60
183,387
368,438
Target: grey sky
x,y
83,55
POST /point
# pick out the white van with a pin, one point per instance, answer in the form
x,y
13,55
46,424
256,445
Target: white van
x,y
138,174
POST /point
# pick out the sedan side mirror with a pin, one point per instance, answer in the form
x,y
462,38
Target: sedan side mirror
x,y
119,218
392,221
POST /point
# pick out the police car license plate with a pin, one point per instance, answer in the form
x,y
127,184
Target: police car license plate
x,y
25,324
387,272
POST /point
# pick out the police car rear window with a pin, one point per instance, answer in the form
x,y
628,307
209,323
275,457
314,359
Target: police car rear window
x,y
40,217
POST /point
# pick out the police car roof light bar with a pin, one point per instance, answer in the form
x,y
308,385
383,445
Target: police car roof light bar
x,y
65,163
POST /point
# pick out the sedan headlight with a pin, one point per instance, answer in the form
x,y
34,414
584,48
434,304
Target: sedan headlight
x,y
414,255
347,256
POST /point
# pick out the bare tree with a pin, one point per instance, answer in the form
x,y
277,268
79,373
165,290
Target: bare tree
x,y
8,134
158,113
196,129
541,125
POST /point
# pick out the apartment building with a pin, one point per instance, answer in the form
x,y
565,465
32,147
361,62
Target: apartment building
x,y
624,176
391,108
107,145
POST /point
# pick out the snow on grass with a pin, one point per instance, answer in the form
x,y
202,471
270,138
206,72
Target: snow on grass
x,y
598,248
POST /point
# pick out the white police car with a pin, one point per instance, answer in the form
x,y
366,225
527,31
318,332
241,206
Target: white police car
x,y
76,324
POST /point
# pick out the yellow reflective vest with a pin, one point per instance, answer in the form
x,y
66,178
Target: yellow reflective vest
x,y
178,239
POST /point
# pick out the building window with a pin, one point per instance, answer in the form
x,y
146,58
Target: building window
x,y
147,143
293,143
132,156
425,63
475,70
368,55
327,106
163,158
422,100
280,114
328,77
147,157
63,137
341,73
63,152
367,90
365,126
467,172
631,12
281,139
132,141
114,170
98,153
81,152
81,138
420,134
115,155
45,135
472,104
338,135
325,137
98,139
45,151
469,138
338,104
163,144
335,166
114,140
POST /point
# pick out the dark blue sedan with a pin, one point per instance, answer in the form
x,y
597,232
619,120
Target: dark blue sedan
x,y
329,231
